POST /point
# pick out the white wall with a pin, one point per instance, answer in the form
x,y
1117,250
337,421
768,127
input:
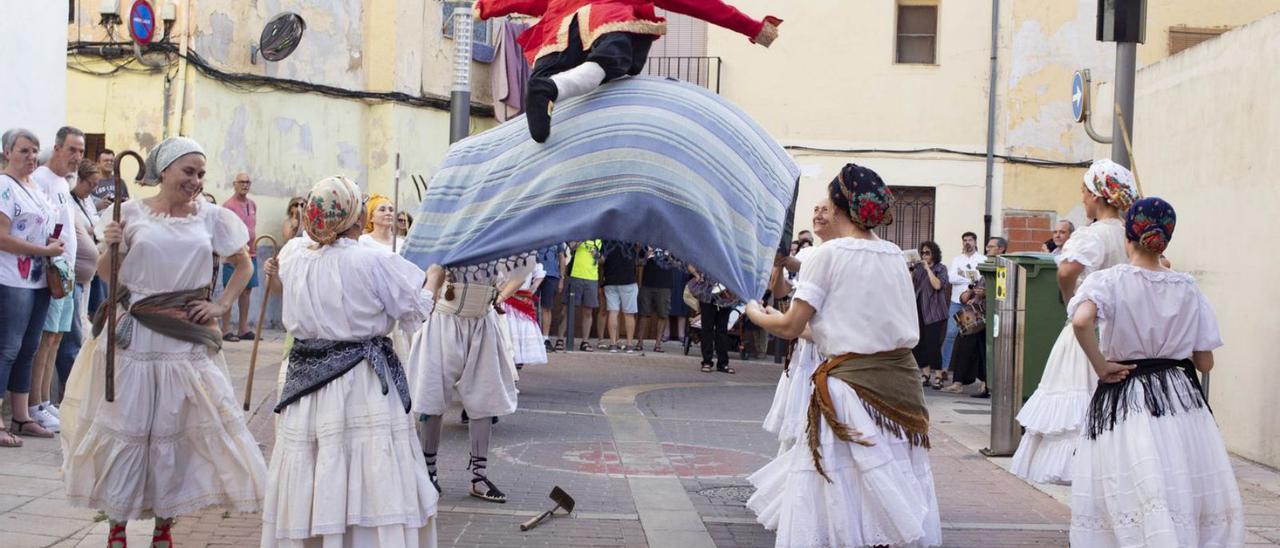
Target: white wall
x,y
1207,127
33,66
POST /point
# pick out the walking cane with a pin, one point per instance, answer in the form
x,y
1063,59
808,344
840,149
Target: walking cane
x,y
262,317
395,206
113,285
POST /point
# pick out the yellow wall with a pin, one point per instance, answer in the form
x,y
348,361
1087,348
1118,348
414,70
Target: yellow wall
x,y
1215,161
286,141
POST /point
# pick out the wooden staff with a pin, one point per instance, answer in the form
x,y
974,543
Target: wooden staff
x,y
113,285
395,206
262,317
1128,144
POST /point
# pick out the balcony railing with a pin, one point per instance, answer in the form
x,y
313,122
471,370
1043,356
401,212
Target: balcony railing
x,y
702,71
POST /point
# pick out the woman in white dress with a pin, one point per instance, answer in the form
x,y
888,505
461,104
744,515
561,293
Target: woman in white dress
x,y
174,441
459,356
380,224
521,313
346,470
1151,468
789,412
862,475
1051,419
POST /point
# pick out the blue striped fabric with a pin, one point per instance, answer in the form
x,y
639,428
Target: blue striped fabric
x,y
644,160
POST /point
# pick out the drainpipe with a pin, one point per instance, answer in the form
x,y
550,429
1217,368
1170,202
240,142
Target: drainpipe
x,y
991,117
460,98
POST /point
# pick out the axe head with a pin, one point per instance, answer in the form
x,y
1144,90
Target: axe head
x,y
562,499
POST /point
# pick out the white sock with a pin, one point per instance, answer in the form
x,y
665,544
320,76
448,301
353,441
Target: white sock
x,y
578,80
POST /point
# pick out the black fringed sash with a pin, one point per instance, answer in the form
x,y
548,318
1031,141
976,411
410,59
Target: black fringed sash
x,y
314,363
1112,402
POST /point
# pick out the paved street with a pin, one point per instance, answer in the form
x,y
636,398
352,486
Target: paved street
x,y
654,451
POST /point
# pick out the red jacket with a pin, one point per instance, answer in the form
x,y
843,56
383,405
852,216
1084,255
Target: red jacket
x,y
597,17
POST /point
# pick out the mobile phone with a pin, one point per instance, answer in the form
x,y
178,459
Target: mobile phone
x,y
912,256
57,230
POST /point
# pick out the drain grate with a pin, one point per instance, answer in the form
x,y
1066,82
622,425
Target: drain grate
x,y
731,493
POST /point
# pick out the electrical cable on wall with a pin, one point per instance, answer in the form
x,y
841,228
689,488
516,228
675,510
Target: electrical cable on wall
x,y
1024,160
255,83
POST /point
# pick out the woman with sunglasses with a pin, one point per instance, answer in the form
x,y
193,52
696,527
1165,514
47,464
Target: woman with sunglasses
x,y
933,298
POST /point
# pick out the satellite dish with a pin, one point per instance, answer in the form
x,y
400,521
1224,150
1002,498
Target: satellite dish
x,y
281,36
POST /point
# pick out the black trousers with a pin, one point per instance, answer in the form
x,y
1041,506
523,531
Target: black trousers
x,y
969,358
618,53
715,334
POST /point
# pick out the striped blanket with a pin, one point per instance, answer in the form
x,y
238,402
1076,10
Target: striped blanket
x,y
641,160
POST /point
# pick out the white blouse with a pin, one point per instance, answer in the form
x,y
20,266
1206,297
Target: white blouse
x,y
346,291
1147,314
1096,247
167,254
863,297
368,239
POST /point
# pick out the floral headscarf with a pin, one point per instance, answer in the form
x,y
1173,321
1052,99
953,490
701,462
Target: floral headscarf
x,y
371,206
1113,183
1150,223
870,201
332,207
165,154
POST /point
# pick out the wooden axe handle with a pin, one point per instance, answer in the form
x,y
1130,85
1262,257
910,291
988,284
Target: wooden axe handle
x,y
535,520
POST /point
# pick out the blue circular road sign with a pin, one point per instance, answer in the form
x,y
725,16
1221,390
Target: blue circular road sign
x,y
1079,96
142,22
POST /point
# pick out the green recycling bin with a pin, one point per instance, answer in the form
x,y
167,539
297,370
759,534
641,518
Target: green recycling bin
x,y
1025,314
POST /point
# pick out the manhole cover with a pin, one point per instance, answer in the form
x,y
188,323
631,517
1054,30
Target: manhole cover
x,y
732,493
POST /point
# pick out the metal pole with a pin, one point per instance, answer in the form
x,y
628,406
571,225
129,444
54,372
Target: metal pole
x,y
570,312
395,220
991,117
460,98
1126,69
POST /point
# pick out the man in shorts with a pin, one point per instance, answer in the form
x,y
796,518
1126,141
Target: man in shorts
x,y
655,297
584,280
620,293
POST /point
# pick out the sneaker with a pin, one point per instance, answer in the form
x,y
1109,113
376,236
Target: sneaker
x,y
630,349
546,343
53,410
613,349
46,419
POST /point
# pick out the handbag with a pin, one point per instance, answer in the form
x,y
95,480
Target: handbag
x,y
970,321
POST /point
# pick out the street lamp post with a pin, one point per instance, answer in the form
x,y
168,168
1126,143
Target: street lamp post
x,y
1125,23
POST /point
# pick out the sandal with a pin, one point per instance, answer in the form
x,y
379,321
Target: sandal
x,y
7,439
431,470
954,388
491,492
230,337
559,347
706,368
657,347
247,336
30,429
728,370
161,537
586,347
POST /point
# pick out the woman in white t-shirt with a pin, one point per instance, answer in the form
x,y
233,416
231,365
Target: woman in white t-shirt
x,y
380,229
26,239
1151,468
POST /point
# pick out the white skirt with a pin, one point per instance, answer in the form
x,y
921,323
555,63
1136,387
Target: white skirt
x,y
789,414
173,442
461,360
1054,414
526,338
1156,481
878,495
347,471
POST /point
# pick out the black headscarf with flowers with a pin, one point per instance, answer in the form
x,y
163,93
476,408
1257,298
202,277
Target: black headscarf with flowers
x,y
864,196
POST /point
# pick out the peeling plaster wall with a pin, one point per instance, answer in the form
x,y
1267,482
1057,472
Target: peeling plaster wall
x,y
1215,161
1042,45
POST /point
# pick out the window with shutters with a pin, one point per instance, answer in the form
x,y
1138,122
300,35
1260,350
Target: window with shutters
x,y
1182,37
917,35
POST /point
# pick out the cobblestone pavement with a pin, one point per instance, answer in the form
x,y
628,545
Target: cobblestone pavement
x,y
654,451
